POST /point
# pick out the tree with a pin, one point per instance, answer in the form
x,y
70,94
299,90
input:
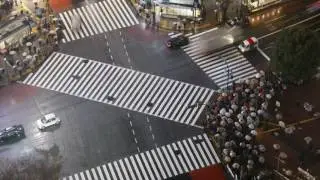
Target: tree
x,y
296,54
47,166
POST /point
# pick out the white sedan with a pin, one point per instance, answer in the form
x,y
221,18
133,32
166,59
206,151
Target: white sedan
x,y
47,121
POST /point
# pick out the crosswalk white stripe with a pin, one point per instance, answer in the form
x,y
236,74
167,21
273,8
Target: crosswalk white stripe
x,y
194,101
135,88
95,177
122,6
116,13
199,149
154,155
189,153
173,97
88,175
180,110
102,15
145,162
175,160
186,157
153,166
49,73
97,17
141,167
135,167
146,93
130,89
181,160
124,91
86,24
70,178
155,97
111,12
101,79
100,173
107,14
85,92
66,75
119,83
69,16
191,144
121,13
119,75
167,95
69,34
91,21
167,159
83,31
113,174
77,176
74,85
124,170
151,95
196,109
89,11
118,170
142,91
176,100
202,107
82,176
84,81
187,103
163,93
34,80
127,163
105,170
130,12
69,20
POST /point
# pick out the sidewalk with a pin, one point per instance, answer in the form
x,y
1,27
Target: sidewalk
x,y
169,24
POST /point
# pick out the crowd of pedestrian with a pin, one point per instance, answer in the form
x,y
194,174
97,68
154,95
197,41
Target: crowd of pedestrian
x,y
236,114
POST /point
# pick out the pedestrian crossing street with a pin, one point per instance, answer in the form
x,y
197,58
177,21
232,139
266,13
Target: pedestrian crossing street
x,y
97,18
159,163
121,87
216,64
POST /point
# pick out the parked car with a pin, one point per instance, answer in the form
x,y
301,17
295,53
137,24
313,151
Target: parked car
x,y
12,133
48,120
178,41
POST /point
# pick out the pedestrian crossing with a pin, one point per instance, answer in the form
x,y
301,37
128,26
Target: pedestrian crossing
x,y
223,67
97,18
121,87
159,163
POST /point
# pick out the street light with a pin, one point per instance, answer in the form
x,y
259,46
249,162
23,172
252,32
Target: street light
x,y
227,70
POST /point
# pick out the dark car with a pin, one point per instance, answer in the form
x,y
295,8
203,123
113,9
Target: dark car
x,y
177,42
12,133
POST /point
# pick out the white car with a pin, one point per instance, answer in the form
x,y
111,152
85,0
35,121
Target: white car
x,y
248,44
47,121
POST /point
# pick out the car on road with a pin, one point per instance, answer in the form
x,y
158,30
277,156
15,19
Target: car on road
x,y
178,41
248,44
48,120
12,133
233,22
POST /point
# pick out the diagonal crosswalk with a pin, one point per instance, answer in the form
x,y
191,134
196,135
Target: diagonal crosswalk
x,y
97,18
160,163
121,87
223,67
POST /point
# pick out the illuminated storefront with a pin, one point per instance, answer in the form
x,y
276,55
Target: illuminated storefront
x,y
178,8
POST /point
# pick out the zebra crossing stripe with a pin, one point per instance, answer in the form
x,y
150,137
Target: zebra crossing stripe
x,y
217,64
121,87
97,18
160,163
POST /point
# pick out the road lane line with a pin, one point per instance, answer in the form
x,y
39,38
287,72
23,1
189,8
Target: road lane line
x,y
290,26
263,54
